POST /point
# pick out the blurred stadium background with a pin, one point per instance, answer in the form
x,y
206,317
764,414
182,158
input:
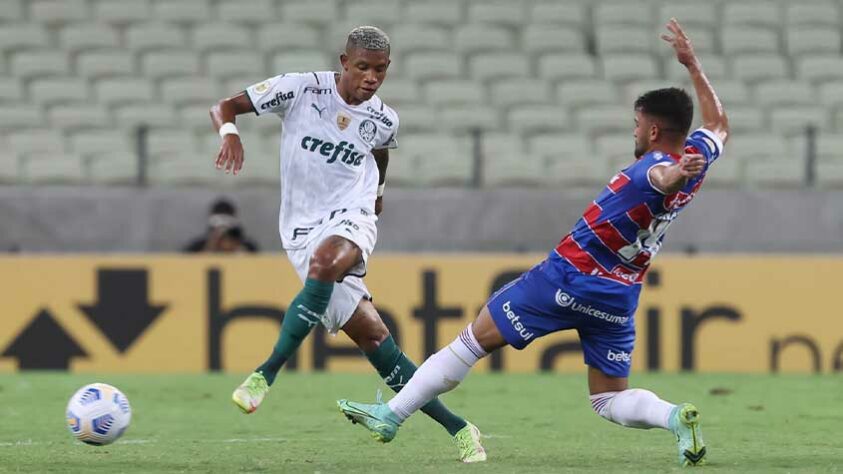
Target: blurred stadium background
x,y
513,115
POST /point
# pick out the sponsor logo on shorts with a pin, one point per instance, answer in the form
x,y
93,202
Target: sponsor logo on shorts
x,y
516,324
567,301
619,356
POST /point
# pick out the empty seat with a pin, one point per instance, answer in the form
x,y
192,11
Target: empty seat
x,y
767,14
87,36
54,168
504,13
506,161
106,140
11,10
133,115
160,64
59,11
732,93
618,149
435,12
10,168
155,36
39,63
452,164
20,116
726,172
828,147
792,119
121,11
633,90
566,13
756,147
570,159
621,39
468,118
587,92
533,119
567,66
812,40
544,38
196,117
629,67
805,13
820,68
420,37
216,36
78,116
11,90
250,11
373,12
703,40
23,35
745,119
473,38
171,141
57,90
747,39
400,91
432,65
310,11
229,64
188,90
403,167
509,92
113,168
35,140
447,92
416,118
696,14
754,67
777,93
830,175
94,64
776,174
831,94
300,61
123,90
623,13
487,66
601,119
182,10
714,67
276,37
190,167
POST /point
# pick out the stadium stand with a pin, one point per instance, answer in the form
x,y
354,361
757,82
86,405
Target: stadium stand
x,y
77,77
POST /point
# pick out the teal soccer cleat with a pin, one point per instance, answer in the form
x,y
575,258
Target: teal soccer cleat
x,y
685,424
375,417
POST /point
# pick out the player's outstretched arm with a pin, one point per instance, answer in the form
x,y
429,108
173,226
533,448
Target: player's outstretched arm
x,y
672,178
382,159
713,115
223,115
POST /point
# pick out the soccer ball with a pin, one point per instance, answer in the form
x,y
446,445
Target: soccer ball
x,y
98,414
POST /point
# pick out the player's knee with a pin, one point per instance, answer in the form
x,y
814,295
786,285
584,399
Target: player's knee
x,y
323,268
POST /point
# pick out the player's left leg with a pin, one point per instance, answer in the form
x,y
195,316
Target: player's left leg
x,y
612,399
367,330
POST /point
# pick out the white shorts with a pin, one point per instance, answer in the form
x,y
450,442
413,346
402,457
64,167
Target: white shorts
x,y
358,226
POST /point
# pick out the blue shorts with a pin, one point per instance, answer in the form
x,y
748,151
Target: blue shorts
x,y
533,306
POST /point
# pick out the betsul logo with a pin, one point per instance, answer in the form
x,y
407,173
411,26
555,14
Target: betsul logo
x,y
563,299
619,356
516,324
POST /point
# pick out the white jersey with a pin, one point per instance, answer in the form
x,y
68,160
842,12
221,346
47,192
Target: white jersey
x,y
326,149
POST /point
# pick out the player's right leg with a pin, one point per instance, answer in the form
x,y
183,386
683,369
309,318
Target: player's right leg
x,y
331,260
639,408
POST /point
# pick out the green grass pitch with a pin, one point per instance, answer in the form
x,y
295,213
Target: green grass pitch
x,y
533,423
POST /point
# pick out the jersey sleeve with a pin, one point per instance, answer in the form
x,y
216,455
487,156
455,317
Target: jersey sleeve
x,y
706,143
389,138
639,173
275,95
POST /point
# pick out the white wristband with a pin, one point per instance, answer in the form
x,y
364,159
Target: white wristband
x,y
228,128
381,188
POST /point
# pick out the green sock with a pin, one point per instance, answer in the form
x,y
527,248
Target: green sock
x,y
396,370
301,317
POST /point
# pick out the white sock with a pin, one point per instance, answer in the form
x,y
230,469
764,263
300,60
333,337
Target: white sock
x,y
635,408
440,373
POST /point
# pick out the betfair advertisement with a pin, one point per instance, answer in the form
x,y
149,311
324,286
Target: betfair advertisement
x,y
195,314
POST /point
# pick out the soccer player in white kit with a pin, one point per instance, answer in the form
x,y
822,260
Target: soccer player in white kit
x,y
334,152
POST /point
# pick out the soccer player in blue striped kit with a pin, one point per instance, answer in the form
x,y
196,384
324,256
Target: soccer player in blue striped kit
x,y
592,280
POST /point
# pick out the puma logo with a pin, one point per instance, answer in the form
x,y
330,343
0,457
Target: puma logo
x,y
318,109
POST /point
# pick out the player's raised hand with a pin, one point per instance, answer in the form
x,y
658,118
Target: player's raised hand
x,y
230,157
681,43
691,165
